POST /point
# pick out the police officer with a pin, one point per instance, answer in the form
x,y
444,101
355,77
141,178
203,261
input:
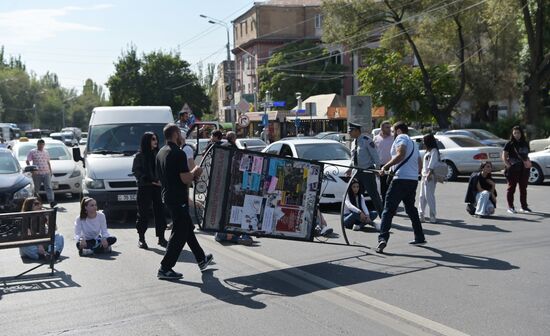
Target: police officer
x,y
365,156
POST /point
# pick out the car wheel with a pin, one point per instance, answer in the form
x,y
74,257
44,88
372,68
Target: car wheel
x,y
452,172
536,175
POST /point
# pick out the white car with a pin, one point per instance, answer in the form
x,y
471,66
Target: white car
x,y
463,154
539,144
67,174
541,166
335,181
412,132
252,144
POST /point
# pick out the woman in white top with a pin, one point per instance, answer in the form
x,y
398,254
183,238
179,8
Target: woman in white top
x,y
356,213
90,229
427,185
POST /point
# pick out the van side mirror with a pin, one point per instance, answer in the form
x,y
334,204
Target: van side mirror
x,y
76,155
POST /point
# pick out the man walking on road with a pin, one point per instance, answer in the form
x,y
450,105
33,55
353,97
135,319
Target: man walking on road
x,y
43,175
175,177
365,156
383,142
405,164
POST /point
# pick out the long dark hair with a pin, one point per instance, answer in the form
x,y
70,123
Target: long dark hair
x,y
145,145
483,164
83,203
430,142
522,137
28,203
351,196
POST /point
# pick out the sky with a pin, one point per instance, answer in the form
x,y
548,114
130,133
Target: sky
x,y
82,39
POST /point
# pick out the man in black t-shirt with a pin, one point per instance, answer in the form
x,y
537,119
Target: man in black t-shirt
x,y
175,177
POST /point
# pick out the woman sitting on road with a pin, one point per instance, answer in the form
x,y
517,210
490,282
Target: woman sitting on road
x,y
90,229
38,252
356,213
482,195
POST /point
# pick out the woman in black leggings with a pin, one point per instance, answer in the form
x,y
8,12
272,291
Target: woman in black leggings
x,y
148,190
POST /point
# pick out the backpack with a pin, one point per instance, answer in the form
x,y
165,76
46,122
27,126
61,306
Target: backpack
x,y
440,171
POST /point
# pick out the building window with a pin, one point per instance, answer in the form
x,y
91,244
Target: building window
x,y
252,24
336,57
246,27
318,21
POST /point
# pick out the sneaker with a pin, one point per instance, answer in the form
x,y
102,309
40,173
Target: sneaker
x,y
433,220
85,252
142,244
422,218
357,227
418,242
207,260
317,231
512,210
168,275
245,240
326,231
526,210
381,246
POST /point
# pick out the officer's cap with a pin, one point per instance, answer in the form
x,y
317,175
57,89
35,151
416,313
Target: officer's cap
x,y
353,126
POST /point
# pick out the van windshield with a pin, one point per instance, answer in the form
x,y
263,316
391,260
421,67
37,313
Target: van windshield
x,y
120,139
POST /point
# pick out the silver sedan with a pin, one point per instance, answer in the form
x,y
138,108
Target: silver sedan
x,y
464,155
541,166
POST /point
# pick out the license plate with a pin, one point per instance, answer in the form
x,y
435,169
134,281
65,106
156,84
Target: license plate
x,y
126,198
494,155
55,185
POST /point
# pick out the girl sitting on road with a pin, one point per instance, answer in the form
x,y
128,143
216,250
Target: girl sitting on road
x,y
356,213
38,252
90,229
481,193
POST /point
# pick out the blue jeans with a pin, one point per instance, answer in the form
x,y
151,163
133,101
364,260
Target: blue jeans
x,y
401,190
45,179
32,251
354,218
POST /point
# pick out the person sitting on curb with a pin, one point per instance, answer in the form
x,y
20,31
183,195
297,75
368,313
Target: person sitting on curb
x,y
38,252
90,229
356,214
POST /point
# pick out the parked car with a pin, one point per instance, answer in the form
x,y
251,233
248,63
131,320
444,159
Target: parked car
x,y
199,152
15,183
335,181
485,137
463,154
412,132
539,144
540,169
253,144
67,175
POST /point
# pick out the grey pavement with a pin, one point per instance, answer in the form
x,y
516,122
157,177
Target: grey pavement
x,y
475,276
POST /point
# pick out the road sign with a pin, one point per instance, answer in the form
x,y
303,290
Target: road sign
x,y
278,104
244,121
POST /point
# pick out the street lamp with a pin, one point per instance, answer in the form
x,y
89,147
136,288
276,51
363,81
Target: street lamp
x,y
224,24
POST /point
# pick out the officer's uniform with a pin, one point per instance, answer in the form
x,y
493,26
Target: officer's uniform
x,y
364,155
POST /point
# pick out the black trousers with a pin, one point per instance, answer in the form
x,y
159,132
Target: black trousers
x,y
148,196
182,232
368,181
94,245
383,187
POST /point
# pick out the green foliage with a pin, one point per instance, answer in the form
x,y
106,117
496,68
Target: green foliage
x,y
300,67
156,78
394,84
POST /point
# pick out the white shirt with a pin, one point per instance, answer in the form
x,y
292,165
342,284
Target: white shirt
x,y
188,150
430,159
349,207
408,171
91,228
383,146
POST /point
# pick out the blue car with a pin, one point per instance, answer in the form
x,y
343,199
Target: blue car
x,y
15,185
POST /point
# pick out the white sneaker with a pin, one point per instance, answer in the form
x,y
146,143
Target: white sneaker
x,y
326,231
357,227
86,252
512,210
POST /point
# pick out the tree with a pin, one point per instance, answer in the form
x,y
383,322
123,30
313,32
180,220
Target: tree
x,y
536,20
156,78
287,73
358,22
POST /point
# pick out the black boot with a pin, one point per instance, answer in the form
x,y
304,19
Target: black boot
x,y
163,242
141,243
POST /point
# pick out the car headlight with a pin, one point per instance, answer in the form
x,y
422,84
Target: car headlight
x,y
26,191
94,184
75,173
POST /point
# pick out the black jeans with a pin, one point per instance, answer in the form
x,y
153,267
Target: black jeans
x,y
182,232
95,245
368,181
401,190
147,196
383,188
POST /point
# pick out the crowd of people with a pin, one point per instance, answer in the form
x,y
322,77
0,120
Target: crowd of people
x,y
164,174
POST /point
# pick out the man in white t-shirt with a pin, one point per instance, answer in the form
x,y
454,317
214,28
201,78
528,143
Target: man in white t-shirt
x,y
405,165
383,142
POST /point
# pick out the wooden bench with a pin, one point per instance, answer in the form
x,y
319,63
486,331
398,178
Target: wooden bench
x,y
18,229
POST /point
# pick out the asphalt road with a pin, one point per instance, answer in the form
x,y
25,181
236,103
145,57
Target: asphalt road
x,y
475,276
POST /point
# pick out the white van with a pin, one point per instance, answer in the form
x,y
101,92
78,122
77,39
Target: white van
x,y
114,137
